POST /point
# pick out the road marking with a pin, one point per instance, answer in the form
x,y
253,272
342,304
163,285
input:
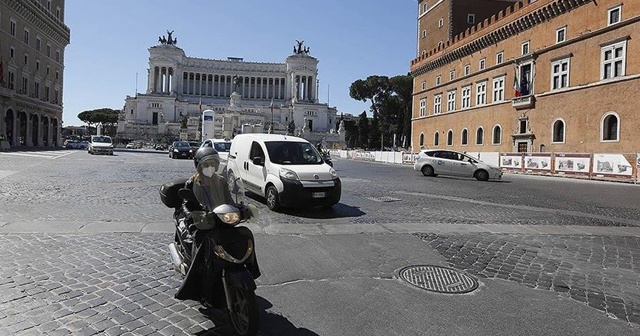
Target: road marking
x,y
42,154
5,173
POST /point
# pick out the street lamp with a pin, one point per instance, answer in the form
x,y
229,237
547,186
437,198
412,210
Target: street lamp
x,y
271,128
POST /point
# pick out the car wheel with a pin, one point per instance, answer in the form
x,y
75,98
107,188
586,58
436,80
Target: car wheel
x,y
481,175
427,171
273,203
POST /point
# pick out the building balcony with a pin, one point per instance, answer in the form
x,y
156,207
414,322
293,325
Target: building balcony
x,y
6,92
523,102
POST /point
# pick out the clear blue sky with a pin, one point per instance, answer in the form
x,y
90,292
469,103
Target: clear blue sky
x,y
352,39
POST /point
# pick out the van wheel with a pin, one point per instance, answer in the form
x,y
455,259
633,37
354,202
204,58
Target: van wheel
x,y
273,203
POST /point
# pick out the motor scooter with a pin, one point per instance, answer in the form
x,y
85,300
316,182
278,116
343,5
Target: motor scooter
x,y
214,255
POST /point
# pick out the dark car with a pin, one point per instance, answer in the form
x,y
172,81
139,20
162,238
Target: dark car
x,y
194,145
181,150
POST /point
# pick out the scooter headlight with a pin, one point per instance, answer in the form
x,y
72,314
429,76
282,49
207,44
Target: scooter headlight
x,y
228,214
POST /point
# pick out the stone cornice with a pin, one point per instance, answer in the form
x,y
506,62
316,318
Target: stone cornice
x,y
45,21
525,22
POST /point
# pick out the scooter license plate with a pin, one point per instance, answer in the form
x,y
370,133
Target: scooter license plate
x,y
318,194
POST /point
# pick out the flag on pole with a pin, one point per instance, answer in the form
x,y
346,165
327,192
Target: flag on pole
x,y
200,105
516,85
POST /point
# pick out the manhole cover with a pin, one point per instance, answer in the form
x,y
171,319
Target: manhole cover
x,y
385,199
438,279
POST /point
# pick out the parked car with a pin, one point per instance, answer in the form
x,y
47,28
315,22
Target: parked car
x,y
72,144
160,147
287,171
101,144
433,162
131,145
181,150
222,146
83,145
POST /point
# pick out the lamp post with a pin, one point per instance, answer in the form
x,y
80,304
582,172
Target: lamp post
x,y
271,128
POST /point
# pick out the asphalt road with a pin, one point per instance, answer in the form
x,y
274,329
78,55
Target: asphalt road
x,y
84,238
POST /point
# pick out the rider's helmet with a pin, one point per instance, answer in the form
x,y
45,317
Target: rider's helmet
x,y
203,152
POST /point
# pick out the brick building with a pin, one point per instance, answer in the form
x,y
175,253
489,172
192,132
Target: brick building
x,y
33,37
532,76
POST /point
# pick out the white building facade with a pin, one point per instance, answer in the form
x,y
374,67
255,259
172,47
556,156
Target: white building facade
x,y
245,96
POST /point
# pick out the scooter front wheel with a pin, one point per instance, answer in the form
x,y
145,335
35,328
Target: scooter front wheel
x,y
244,313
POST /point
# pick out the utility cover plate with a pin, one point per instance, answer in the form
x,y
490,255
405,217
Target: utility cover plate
x,y
438,279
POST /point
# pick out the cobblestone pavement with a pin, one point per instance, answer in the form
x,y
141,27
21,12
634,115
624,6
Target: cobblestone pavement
x,y
599,271
122,283
106,284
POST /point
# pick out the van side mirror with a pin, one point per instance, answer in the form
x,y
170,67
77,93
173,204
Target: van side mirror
x,y
258,161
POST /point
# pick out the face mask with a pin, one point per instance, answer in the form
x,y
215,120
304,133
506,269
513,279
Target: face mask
x,y
208,171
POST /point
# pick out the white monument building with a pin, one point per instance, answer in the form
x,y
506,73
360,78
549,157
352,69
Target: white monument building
x,y
244,97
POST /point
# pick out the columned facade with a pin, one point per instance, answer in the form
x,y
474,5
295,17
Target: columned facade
x,y
266,95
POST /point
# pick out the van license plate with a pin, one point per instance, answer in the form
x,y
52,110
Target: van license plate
x,y
318,194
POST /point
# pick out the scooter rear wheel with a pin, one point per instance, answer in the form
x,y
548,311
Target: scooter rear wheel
x,y
244,315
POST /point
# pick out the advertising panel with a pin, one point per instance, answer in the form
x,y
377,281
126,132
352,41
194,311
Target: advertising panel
x,y
511,160
573,163
611,164
537,162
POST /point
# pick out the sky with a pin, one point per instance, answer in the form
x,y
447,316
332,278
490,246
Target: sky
x,y
107,58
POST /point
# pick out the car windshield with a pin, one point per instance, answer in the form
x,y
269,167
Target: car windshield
x,y
101,139
178,144
222,146
293,153
194,144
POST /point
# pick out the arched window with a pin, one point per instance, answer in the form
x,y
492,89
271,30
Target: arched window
x,y
465,137
610,127
436,139
450,138
479,136
558,131
497,135
421,140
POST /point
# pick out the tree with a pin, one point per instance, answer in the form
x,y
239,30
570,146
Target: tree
x,y
403,88
390,106
363,130
351,133
105,116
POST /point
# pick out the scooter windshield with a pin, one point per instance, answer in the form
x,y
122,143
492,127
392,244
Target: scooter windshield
x,y
210,184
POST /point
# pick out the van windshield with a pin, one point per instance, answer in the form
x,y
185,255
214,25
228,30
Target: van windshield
x,y
293,153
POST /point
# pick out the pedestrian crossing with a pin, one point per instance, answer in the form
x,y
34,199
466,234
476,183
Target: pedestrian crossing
x,y
44,154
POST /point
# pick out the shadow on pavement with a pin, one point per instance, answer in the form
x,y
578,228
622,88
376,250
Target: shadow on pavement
x,y
339,210
270,323
276,324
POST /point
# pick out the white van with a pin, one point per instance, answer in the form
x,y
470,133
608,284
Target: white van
x,y
287,171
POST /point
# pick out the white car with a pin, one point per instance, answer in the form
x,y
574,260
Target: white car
x,y
101,144
433,162
222,146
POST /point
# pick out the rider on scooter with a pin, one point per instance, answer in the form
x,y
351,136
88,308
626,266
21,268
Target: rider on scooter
x,y
199,283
